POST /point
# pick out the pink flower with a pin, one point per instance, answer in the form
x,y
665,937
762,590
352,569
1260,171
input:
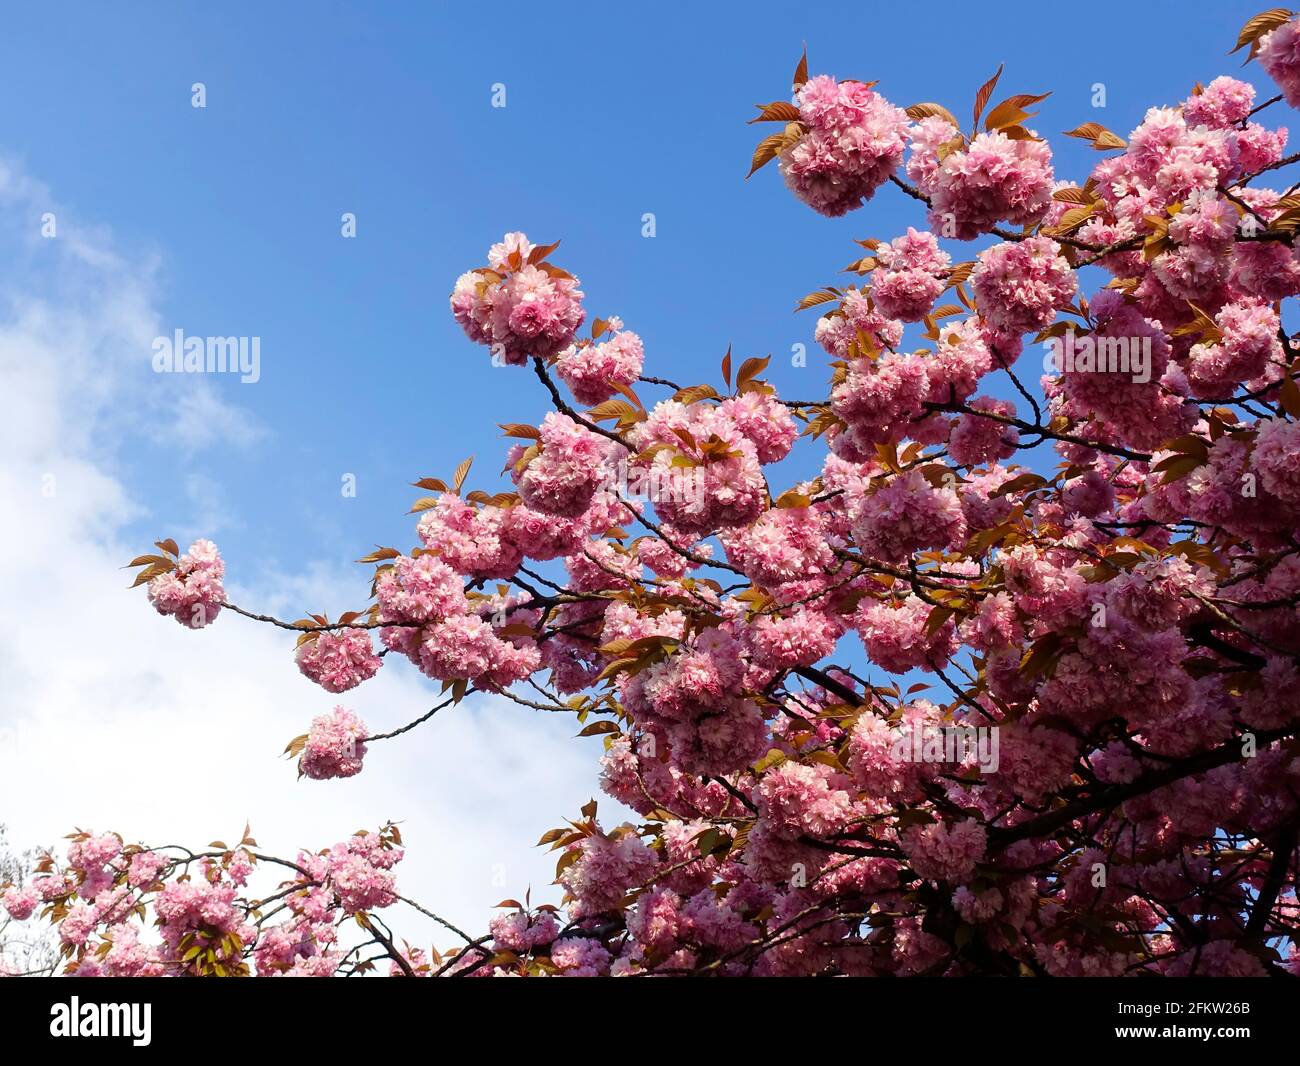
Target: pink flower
x,y
1277,458
764,421
1249,344
144,868
485,542
802,639
510,253
879,767
990,180
1257,149
422,589
719,482
907,514
359,872
518,309
1020,284
962,356
594,370
977,907
91,852
623,622
240,867
339,660
77,926
192,593
855,141
128,957
896,639
878,400
466,647
417,959
909,277
207,911
994,624
610,865
335,745
1279,55
976,440
20,903
943,852
516,931
1267,270
565,476
52,887
796,800
786,544
1223,103
581,957
656,921
842,331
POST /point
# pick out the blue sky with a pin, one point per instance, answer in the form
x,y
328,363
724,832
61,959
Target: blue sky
x,y
384,110
226,221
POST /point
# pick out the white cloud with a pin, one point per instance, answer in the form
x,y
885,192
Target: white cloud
x,y
200,418
112,717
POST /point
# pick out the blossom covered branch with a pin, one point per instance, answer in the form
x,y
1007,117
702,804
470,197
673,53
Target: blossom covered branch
x,y
1099,588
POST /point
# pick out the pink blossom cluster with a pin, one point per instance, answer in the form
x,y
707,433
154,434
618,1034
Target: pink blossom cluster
x,y
719,482
1279,55
516,307
907,514
842,332
1020,284
991,179
429,620
785,547
19,902
976,439
520,932
796,800
491,541
608,866
205,914
855,140
882,400
910,276
594,371
1249,346
192,591
358,871
898,637
1140,408
690,697
335,745
1277,447
945,852
802,638
107,893
875,401
568,469
339,660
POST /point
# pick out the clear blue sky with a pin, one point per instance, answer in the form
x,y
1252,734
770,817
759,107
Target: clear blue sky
x,y
384,110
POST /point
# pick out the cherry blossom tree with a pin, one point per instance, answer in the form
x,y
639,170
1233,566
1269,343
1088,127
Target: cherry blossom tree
x,y
1095,583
